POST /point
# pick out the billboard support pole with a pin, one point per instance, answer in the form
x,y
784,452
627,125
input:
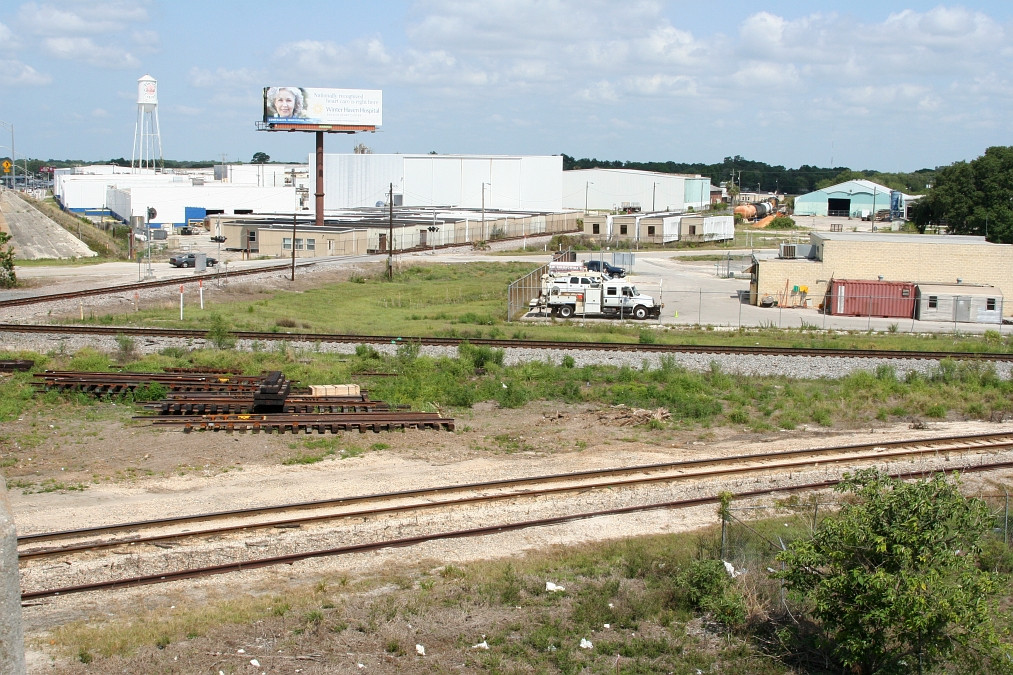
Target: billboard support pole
x,y
320,180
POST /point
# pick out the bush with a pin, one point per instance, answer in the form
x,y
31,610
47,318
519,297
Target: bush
x,y
781,223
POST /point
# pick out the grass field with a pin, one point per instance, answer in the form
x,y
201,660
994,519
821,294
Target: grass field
x,y
468,301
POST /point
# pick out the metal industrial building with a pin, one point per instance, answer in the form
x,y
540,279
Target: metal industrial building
x,y
505,182
801,274
178,198
852,199
619,189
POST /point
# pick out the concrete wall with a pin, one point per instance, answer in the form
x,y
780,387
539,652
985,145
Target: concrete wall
x,y
12,637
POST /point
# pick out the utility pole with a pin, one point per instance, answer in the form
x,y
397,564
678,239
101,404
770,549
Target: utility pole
x,y
390,235
294,215
483,212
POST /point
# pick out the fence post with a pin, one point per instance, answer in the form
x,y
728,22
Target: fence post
x,y
699,309
1005,521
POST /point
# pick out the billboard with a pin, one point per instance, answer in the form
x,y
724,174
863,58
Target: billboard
x,y
301,105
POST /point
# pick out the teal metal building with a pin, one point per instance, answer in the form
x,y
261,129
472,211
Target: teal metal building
x,y
851,199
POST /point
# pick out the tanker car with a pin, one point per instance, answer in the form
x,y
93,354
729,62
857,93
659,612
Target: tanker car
x,y
757,210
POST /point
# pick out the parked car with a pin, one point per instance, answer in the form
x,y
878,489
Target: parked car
x,y
611,271
190,260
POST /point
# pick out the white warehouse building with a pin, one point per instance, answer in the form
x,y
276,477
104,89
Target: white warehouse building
x,y
647,191
179,205
505,182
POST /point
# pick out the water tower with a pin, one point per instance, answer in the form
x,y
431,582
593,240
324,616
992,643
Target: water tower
x,y
146,135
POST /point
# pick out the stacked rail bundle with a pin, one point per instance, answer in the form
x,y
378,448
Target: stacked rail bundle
x,y
16,365
213,403
115,383
376,421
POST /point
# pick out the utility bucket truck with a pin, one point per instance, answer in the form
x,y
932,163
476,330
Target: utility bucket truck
x,y
595,297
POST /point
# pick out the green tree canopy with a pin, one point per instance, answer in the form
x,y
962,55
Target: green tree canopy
x,y
973,197
260,158
893,583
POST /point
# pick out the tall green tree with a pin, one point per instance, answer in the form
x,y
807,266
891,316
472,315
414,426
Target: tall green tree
x,y
973,197
260,158
893,583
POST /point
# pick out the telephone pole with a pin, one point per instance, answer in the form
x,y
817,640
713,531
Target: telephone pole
x,y
390,235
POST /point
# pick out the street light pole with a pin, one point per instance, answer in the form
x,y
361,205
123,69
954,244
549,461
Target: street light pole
x,y
586,184
484,238
654,195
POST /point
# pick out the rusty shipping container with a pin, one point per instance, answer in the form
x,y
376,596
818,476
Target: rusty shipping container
x,y
857,297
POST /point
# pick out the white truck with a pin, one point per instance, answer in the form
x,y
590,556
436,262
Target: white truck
x,y
596,297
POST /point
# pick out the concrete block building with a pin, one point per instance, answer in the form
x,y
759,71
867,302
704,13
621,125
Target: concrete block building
x,y
921,259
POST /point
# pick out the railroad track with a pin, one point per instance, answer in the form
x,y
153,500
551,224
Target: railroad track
x,y
142,285
980,452
191,334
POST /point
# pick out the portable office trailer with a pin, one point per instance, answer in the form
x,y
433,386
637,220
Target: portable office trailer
x,y
959,303
857,297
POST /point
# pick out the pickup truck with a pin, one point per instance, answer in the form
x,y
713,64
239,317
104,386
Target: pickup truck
x,y
190,260
611,271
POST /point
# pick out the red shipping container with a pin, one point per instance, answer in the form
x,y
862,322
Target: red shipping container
x,y
857,297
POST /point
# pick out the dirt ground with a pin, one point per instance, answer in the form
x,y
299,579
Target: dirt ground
x,y
96,465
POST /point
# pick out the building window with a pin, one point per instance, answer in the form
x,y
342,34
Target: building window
x,y
286,243
692,229
622,229
595,228
933,301
298,244
990,304
650,230
252,235
311,244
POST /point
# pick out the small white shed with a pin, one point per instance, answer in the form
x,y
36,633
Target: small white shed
x,y
961,303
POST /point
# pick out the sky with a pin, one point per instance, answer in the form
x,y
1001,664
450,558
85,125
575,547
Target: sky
x,y
861,84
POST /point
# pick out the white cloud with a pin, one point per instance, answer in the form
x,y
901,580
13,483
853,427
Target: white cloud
x,y
224,78
187,111
80,17
85,49
601,91
20,74
100,113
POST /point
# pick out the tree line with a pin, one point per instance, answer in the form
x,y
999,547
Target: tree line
x,y
752,176
974,198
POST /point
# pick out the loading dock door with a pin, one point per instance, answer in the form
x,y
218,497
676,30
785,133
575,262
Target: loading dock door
x,y
840,208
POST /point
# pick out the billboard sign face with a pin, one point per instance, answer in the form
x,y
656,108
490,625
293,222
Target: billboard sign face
x,y
301,105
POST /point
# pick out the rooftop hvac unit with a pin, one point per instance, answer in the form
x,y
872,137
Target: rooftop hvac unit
x,y
787,251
